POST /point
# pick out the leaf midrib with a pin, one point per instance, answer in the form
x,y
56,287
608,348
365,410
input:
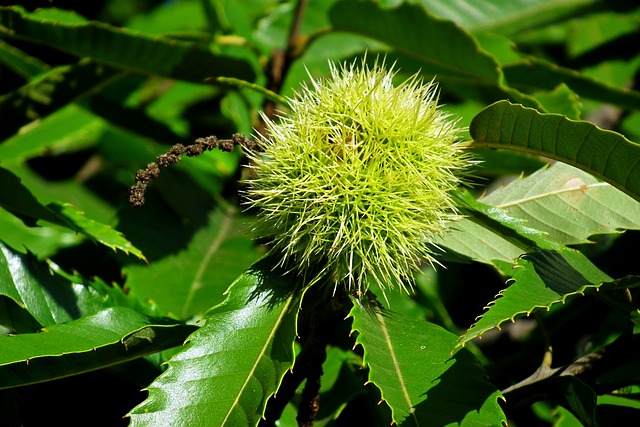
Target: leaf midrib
x,y
397,370
263,350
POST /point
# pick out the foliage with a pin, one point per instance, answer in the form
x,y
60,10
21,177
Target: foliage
x,y
527,317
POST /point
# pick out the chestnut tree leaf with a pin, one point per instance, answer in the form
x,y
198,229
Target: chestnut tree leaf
x,y
420,377
234,363
603,153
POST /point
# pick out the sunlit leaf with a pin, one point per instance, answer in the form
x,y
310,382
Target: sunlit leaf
x,y
567,204
111,336
540,280
233,363
605,154
419,377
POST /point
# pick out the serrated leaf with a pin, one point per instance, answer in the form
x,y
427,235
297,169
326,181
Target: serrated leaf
x,y
540,280
217,251
96,231
533,73
422,381
111,336
605,154
123,48
52,90
490,235
568,204
18,200
505,16
456,58
234,363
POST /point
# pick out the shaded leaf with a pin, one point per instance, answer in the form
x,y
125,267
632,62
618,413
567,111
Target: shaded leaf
x,y
234,363
533,73
456,58
577,397
123,48
605,154
42,293
111,336
192,279
424,384
95,230
505,16
52,90
18,200
540,280
568,204
19,62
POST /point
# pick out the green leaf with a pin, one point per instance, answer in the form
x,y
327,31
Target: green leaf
x,y
18,200
534,73
505,16
540,280
52,90
123,48
568,204
111,336
605,154
490,235
455,58
234,363
189,280
48,297
24,65
424,384
95,230
577,397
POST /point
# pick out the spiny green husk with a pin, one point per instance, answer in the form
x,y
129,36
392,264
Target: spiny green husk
x,y
354,181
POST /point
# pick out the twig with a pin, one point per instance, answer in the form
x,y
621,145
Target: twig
x,y
281,61
174,155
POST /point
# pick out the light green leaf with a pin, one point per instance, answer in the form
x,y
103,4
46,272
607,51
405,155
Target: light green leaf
x,y
568,204
490,235
456,58
123,48
424,384
505,16
19,62
540,280
234,363
18,200
217,252
111,336
605,154
96,231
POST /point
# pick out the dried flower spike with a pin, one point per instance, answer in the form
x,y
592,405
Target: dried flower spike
x,y
355,179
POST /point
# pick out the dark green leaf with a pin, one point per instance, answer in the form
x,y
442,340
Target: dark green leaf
x,y
123,48
455,58
605,154
533,74
540,280
111,336
419,376
190,280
